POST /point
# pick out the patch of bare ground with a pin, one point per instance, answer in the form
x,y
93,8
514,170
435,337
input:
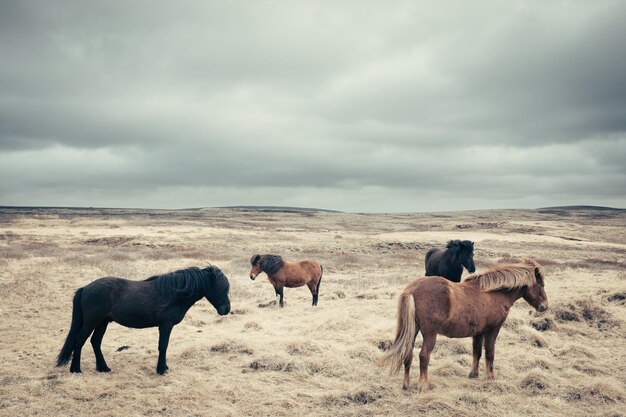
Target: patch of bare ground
x,y
304,360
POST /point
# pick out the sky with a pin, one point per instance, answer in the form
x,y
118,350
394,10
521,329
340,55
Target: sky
x,y
361,106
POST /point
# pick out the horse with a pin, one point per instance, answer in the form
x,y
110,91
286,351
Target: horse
x,y
449,263
161,300
475,308
287,274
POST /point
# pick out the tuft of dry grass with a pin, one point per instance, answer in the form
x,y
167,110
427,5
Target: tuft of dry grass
x,y
588,311
231,346
544,324
534,383
275,363
618,298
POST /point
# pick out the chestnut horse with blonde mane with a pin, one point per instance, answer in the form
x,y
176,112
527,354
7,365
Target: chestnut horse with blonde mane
x,y
288,274
476,307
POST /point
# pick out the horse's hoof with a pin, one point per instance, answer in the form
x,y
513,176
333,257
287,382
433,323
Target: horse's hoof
x,y
75,370
473,375
105,369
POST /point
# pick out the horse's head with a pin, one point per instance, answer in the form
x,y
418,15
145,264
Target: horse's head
x,y
270,264
255,261
217,290
463,250
535,294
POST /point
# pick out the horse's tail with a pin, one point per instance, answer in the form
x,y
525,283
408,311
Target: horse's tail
x,y
77,322
406,330
319,281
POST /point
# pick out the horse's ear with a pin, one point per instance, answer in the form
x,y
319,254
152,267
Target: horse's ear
x,y
539,274
255,260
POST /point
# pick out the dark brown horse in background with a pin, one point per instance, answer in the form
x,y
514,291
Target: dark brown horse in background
x,y
449,263
477,307
287,274
161,300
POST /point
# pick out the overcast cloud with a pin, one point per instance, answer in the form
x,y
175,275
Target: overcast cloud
x,y
357,106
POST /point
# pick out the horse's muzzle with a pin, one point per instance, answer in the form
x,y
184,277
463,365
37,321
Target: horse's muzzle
x,y
542,308
252,277
223,310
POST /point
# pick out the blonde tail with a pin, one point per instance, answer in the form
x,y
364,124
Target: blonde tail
x,y
406,330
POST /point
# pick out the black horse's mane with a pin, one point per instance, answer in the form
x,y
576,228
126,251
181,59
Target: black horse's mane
x,y
270,264
189,282
459,245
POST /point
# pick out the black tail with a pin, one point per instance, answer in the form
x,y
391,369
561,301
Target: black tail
x,y
317,288
77,322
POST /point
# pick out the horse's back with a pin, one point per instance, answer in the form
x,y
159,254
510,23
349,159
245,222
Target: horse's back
x,y
297,274
447,308
103,287
431,261
111,287
429,286
311,266
432,299
121,300
98,296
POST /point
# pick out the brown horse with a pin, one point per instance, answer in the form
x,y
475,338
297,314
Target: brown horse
x,y
287,274
476,307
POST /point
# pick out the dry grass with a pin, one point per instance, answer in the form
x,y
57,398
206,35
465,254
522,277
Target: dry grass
x,y
303,360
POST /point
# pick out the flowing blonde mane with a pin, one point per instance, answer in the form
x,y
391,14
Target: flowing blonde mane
x,y
509,276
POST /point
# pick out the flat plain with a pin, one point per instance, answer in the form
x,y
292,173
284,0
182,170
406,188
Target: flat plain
x,y
304,360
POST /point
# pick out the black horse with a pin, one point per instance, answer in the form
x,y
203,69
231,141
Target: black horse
x,y
161,300
449,263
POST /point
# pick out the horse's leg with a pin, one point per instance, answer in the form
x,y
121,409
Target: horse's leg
x,y
490,345
407,365
81,338
279,291
427,347
277,297
96,342
164,338
477,347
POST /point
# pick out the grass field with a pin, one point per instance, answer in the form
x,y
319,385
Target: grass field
x,y
301,360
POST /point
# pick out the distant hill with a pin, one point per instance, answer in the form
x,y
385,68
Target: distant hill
x,y
581,208
281,209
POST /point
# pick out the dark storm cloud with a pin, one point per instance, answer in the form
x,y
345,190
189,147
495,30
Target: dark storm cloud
x,y
360,105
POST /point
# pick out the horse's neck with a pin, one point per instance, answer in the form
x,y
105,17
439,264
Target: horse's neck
x,y
510,296
185,303
450,256
451,262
